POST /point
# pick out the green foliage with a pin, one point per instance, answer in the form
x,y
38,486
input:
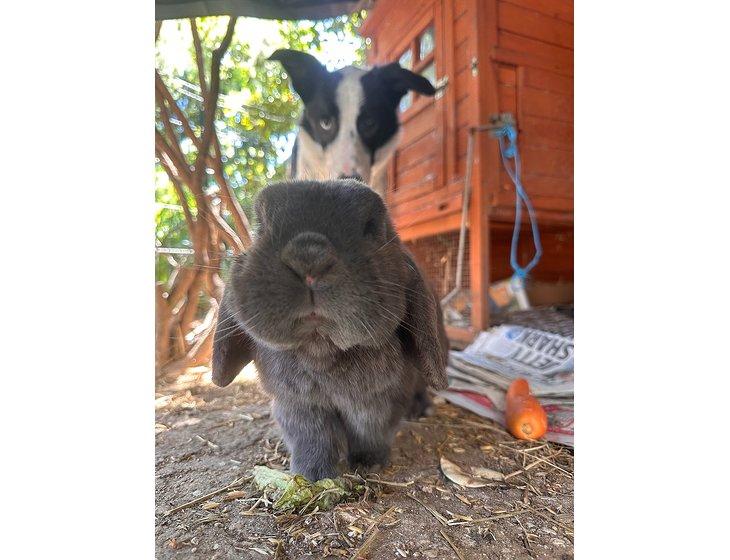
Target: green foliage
x,y
257,112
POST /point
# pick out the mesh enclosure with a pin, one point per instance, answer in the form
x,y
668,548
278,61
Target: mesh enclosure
x,y
437,256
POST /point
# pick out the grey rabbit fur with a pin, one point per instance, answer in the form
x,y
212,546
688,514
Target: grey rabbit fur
x,y
344,331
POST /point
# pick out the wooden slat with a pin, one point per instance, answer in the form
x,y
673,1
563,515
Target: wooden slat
x,y
556,264
560,55
464,111
547,161
460,7
551,201
403,195
544,79
546,104
449,97
522,59
486,174
543,185
560,9
535,25
432,198
420,173
507,88
429,213
507,99
463,83
438,225
462,27
507,75
462,137
416,127
462,52
417,151
546,133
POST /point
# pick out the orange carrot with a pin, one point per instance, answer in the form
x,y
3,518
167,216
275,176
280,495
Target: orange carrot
x,y
526,418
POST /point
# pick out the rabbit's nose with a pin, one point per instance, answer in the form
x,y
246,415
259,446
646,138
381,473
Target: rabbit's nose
x,y
310,255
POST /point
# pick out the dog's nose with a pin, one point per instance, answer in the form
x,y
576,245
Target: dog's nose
x,y
355,176
310,255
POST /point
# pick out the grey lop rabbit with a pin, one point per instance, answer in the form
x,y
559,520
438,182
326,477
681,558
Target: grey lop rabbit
x,y
344,331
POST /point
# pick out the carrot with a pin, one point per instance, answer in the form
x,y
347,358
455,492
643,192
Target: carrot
x,y
526,418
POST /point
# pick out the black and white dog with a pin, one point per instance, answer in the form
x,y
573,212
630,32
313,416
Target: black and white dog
x,y
350,124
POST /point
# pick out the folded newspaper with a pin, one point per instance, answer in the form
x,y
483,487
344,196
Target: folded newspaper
x,y
480,375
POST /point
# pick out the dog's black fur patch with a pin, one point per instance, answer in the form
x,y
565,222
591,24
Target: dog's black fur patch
x,y
384,86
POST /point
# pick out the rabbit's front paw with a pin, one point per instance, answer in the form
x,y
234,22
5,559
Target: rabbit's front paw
x,y
313,471
368,459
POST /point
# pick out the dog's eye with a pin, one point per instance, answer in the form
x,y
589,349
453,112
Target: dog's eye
x,y
368,126
326,123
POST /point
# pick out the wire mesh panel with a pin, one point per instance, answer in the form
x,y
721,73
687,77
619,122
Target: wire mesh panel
x,y
437,256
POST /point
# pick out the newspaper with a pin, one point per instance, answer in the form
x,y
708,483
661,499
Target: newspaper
x,y
480,374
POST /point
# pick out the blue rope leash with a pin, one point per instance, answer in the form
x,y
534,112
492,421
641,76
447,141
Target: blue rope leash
x,y
507,137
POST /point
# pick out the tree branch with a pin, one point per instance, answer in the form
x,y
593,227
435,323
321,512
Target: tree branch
x,y
243,227
211,102
199,59
180,194
228,194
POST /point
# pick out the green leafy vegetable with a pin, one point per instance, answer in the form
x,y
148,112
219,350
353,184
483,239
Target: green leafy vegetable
x,y
296,492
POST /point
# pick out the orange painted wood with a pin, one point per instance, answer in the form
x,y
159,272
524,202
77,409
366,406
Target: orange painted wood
x,y
461,7
434,198
464,83
448,206
402,195
547,161
556,264
462,50
416,151
547,104
560,9
486,172
529,23
418,126
544,79
438,225
531,52
420,173
542,132
522,59
448,63
525,65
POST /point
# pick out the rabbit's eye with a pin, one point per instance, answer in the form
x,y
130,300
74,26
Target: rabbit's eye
x,y
326,123
370,227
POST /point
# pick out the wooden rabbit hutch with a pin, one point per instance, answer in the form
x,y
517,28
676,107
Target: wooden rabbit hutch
x,y
493,56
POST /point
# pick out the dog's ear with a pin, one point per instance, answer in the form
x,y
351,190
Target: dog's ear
x,y
306,72
232,347
401,81
422,329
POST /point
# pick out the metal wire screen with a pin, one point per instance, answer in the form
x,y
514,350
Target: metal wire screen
x,y
437,255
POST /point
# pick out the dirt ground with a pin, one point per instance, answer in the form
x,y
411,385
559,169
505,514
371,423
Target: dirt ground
x,y
208,439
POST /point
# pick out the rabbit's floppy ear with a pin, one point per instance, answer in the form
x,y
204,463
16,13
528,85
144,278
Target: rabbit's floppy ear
x,y
422,329
232,347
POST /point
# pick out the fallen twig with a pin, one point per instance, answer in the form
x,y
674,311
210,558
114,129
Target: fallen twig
x,y
440,518
452,544
202,499
365,545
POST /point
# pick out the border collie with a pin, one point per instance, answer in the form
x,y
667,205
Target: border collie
x,y
349,127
